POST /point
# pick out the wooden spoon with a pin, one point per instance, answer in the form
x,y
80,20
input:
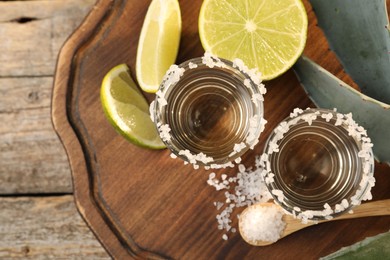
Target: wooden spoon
x,y
369,209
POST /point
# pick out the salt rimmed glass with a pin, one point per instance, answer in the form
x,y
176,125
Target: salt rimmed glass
x,y
318,164
209,111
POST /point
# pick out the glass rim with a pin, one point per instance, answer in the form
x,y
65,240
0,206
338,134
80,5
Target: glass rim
x,y
367,179
251,79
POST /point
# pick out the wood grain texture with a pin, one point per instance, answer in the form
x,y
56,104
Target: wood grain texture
x,y
141,203
32,158
43,228
32,32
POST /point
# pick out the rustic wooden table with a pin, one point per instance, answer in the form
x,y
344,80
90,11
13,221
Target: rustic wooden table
x,y
38,217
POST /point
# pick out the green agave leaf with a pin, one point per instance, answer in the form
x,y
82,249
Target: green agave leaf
x,y
327,91
376,247
357,31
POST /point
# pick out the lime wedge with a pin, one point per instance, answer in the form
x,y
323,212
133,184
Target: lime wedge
x,y
266,34
158,44
127,109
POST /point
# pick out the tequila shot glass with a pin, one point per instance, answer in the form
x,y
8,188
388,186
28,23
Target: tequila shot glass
x,y
209,111
318,164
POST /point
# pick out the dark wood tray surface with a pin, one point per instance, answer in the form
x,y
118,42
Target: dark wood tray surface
x,y
143,204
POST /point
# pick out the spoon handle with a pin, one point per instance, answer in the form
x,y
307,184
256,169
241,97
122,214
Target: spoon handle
x,y
374,208
368,209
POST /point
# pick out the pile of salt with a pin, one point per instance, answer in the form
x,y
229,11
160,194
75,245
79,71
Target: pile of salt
x,y
262,223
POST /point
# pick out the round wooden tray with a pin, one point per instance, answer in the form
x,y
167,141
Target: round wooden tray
x,y
143,204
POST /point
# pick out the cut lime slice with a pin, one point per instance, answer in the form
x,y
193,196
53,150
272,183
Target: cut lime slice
x,y
266,34
127,109
158,44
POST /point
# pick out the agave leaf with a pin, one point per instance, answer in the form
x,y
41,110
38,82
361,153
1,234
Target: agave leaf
x,y
376,247
327,91
357,31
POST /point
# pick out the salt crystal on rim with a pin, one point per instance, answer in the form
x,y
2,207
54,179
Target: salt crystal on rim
x,y
296,112
151,110
296,209
270,178
164,132
279,194
212,61
339,119
339,208
161,98
256,98
192,65
327,117
174,74
345,203
356,131
238,147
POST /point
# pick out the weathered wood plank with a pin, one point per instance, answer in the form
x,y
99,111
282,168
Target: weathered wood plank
x,y
33,31
32,159
25,93
45,228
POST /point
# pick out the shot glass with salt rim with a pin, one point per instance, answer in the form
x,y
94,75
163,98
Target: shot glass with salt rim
x,y
209,111
318,164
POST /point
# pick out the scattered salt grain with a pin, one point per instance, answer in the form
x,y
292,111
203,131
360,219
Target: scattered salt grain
x,y
260,223
244,189
218,205
241,168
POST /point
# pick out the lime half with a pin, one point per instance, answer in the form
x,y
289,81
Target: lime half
x,y
127,109
266,34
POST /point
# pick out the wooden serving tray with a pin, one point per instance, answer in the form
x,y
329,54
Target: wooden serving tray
x,y
143,204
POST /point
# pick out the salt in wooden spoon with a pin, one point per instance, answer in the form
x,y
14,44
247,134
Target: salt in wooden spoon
x,y
369,209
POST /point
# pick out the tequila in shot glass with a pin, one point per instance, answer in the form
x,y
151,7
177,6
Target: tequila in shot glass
x,y
209,111
318,164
